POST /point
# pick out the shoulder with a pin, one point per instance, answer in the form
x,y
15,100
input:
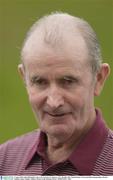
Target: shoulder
x,y
108,146
110,134
23,140
13,151
104,164
109,141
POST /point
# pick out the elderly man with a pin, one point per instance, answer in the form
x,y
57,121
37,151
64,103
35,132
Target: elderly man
x,y
63,71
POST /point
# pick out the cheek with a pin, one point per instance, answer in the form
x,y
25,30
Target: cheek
x,y
77,101
35,98
80,102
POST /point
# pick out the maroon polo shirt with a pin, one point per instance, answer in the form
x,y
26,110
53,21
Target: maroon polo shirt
x,y
26,155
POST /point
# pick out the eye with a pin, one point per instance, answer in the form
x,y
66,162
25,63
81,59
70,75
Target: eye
x,y
38,81
68,81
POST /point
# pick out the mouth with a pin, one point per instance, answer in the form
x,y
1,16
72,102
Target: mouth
x,y
57,115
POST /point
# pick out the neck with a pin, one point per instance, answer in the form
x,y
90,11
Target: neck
x,y
60,147
58,151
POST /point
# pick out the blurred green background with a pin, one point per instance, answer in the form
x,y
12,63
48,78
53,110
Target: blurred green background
x,y
16,16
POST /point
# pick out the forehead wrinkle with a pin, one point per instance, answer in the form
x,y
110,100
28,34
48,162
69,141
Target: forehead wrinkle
x,y
45,57
54,59
55,71
53,62
41,49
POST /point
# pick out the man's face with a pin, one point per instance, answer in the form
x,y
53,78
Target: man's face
x,y
60,88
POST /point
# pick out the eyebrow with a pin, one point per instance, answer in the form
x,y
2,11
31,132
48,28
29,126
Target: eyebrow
x,y
70,77
63,77
36,77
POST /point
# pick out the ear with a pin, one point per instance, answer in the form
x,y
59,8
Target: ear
x,y
21,71
101,78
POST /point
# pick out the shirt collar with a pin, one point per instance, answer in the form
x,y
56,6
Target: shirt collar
x,y
85,154
36,146
31,149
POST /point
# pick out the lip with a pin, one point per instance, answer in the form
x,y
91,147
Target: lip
x,y
57,115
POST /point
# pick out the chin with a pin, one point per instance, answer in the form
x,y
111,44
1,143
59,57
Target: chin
x,y
59,131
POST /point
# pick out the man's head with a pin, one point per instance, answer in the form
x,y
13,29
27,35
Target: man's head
x,y
62,68
54,30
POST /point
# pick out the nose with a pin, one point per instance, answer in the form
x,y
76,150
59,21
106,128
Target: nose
x,y
54,98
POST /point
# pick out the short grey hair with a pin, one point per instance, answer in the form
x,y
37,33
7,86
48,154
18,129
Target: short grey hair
x,y
53,27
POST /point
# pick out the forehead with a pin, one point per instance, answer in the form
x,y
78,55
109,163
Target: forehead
x,y
71,54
